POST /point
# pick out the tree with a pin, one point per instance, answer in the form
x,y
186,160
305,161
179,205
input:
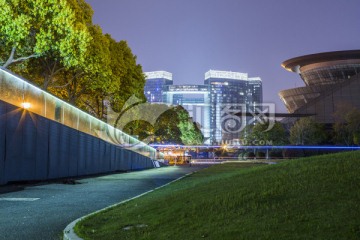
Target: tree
x,y
190,132
257,133
142,129
307,132
93,85
353,120
166,127
347,125
37,28
132,79
174,126
61,50
138,118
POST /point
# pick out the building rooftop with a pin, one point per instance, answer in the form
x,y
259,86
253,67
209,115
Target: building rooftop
x,y
294,64
226,75
158,74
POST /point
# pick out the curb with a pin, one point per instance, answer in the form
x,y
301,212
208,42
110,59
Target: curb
x,y
69,233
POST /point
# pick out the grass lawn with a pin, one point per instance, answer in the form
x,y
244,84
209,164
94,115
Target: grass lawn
x,y
308,198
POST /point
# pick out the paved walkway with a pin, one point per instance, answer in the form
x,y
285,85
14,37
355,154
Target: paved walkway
x,y
43,211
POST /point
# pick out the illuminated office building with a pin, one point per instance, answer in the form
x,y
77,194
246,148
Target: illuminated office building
x,y
206,103
155,82
234,91
195,99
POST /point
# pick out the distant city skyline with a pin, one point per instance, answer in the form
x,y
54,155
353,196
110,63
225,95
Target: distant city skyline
x,y
212,104
188,38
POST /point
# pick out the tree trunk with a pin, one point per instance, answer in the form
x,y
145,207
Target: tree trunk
x,y
47,79
10,59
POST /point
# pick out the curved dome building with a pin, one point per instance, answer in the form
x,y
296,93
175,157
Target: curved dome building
x,y
330,78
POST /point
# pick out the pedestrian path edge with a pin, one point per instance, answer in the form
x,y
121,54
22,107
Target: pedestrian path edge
x,y
69,233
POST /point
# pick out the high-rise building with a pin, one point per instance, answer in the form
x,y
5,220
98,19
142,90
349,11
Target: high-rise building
x,y
212,105
155,82
230,93
195,99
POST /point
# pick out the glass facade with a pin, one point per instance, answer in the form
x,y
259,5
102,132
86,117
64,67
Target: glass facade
x,y
235,92
331,79
297,97
195,99
19,92
330,74
155,82
339,95
205,103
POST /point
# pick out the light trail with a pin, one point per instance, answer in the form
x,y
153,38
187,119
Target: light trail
x,y
256,147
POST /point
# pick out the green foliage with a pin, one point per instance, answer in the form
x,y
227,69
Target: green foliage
x,y
307,132
190,132
174,126
96,82
157,123
353,124
250,155
70,57
309,198
34,28
257,133
127,74
166,128
137,118
275,154
142,129
347,126
260,154
55,44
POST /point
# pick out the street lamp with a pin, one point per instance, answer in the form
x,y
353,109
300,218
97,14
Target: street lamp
x,y
25,105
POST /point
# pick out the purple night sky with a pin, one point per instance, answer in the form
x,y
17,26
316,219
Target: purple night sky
x,y
189,37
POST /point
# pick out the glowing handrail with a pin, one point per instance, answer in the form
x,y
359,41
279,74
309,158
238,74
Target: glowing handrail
x,y
21,93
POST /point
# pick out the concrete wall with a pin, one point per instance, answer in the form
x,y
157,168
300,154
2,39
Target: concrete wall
x,y
35,148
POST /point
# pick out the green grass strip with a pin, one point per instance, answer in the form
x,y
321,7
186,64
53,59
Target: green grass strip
x,y
309,198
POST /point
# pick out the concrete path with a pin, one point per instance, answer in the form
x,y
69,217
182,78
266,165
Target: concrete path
x,y
43,211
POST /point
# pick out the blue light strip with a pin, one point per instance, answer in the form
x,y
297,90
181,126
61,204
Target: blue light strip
x,y
256,147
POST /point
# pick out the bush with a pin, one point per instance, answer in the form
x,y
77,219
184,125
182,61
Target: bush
x,y
293,153
275,154
242,155
260,155
250,155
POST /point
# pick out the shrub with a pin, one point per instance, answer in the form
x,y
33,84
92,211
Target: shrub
x,y
260,155
250,155
293,153
275,154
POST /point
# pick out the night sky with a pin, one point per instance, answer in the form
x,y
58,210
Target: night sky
x,y
190,37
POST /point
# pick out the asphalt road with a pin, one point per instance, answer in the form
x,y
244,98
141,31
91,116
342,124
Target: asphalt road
x,y
43,211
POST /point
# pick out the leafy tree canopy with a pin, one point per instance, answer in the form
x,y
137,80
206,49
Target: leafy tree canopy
x,y
190,132
175,126
258,132
347,125
55,44
307,132
35,28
